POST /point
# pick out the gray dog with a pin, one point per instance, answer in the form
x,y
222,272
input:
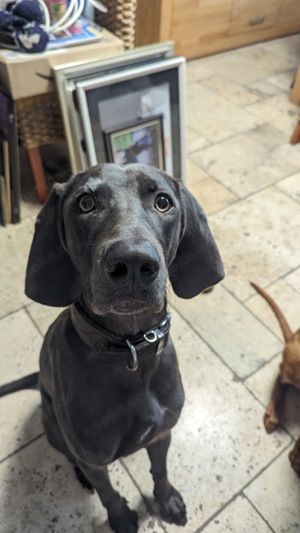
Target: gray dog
x,y
104,245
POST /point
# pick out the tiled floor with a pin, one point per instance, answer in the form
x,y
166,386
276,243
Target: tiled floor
x,y
233,476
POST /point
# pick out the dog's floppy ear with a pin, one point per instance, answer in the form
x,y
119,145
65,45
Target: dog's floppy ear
x,y
51,277
197,264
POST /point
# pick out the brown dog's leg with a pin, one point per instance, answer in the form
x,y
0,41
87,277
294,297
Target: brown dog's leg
x,y
121,518
294,457
171,504
275,408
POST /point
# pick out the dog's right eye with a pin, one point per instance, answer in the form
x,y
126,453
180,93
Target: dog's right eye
x,y
86,203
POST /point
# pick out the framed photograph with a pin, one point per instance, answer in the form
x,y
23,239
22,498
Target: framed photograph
x,y
100,97
137,143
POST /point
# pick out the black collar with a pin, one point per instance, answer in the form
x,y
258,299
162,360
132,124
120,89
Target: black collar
x,y
119,347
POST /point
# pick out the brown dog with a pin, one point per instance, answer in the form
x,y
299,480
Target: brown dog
x,y
289,374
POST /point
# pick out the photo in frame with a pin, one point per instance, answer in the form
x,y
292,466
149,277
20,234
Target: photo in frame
x,y
142,142
138,106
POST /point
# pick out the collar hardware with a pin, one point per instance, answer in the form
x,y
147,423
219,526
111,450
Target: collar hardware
x,y
94,335
135,364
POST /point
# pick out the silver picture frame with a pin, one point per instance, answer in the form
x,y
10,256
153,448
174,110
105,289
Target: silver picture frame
x,y
148,74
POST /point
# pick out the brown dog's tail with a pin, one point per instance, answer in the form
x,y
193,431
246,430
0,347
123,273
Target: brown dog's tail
x,y
286,330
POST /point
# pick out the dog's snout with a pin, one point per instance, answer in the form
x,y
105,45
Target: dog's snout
x,y
138,263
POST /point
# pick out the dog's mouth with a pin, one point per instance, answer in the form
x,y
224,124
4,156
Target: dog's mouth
x,y
128,307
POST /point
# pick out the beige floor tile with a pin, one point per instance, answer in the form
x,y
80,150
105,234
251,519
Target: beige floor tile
x,y
249,65
197,71
39,492
289,152
20,347
254,245
261,384
263,89
43,316
283,81
212,452
195,141
275,494
286,298
212,196
195,174
293,279
287,47
226,120
267,137
15,242
291,186
232,92
242,165
235,334
20,420
278,111
238,516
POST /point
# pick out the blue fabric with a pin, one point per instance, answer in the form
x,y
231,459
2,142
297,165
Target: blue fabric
x,y
20,29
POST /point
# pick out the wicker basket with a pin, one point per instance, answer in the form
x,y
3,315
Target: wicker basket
x,y
120,19
39,120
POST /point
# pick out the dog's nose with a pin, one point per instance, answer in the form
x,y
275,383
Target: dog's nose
x,y
137,263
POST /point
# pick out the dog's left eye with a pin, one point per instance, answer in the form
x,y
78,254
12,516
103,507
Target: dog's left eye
x,y
163,203
86,203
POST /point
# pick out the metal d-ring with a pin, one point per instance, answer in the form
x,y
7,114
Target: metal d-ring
x,y
132,349
150,336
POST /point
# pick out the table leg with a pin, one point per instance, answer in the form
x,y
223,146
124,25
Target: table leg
x,y
37,169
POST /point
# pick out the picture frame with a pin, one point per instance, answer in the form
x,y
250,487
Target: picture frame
x,y
140,142
98,96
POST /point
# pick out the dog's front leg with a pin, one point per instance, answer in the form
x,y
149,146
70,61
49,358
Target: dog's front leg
x,y
121,518
275,407
171,505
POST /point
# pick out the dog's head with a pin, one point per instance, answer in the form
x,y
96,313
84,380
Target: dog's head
x,y
113,235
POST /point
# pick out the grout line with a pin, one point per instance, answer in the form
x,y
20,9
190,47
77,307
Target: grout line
x,y
259,513
35,323
285,192
264,364
266,466
22,447
22,307
241,491
235,376
252,313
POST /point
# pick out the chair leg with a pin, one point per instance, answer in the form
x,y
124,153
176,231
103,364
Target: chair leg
x,y
37,169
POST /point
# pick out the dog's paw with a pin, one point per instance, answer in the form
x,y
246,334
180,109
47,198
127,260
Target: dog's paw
x,y
271,420
127,522
172,508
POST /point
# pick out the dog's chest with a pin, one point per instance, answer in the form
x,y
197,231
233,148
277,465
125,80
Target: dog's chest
x,y
124,422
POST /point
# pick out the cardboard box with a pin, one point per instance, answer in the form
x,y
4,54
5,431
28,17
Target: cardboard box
x,y
23,75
